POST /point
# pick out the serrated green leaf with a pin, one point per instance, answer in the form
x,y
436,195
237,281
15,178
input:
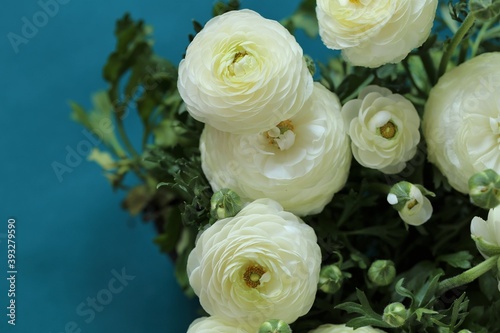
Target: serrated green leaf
x,y
460,259
421,311
403,291
428,291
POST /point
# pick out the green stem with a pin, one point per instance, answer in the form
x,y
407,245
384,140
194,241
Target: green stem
x,y
455,41
378,188
467,276
479,38
428,63
412,79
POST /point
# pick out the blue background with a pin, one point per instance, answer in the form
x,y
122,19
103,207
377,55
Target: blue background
x,y
72,234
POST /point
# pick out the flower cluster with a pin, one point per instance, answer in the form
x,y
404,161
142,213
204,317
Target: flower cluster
x,y
338,201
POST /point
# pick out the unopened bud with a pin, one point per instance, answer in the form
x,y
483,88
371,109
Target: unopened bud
x,y
275,326
410,202
330,279
382,272
484,189
395,314
225,203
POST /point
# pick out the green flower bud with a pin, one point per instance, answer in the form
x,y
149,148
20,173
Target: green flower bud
x,y
330,279
225,203
484,10
382,272
464,331
484,189
274,326
395,314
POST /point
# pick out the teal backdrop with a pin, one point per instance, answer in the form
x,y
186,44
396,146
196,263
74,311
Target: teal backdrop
x,y
83,264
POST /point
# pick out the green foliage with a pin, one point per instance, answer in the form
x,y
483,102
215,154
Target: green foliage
x,y
304,18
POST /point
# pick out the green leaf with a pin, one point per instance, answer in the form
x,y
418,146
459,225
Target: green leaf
x,y
404,291
104,159
421,311
460,259
484,9
304,18
369,317
221,7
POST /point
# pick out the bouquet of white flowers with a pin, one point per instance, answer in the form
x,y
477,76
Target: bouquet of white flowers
x,y
300,200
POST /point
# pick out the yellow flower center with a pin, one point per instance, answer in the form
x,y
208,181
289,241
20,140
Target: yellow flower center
x,y
389,130
252,275
412,203
356,2
241,64
281,136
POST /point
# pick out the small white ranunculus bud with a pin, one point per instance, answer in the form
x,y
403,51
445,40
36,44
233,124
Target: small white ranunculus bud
x,y
411,203
486,234
383,128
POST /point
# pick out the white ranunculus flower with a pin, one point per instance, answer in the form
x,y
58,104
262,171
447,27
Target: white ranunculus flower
x,y
487,233
219,325
261,264
371,33
243,73
300,163
461,122
330,328
383,128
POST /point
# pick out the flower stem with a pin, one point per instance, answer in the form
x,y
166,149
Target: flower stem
x,y
480,37
428,64
467,276
455,41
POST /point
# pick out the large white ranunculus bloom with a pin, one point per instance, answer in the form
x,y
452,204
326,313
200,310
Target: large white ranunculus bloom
x,y
330,328
243,73
461,121
261,264
383,128
486,234
300,163
219,325
371,33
